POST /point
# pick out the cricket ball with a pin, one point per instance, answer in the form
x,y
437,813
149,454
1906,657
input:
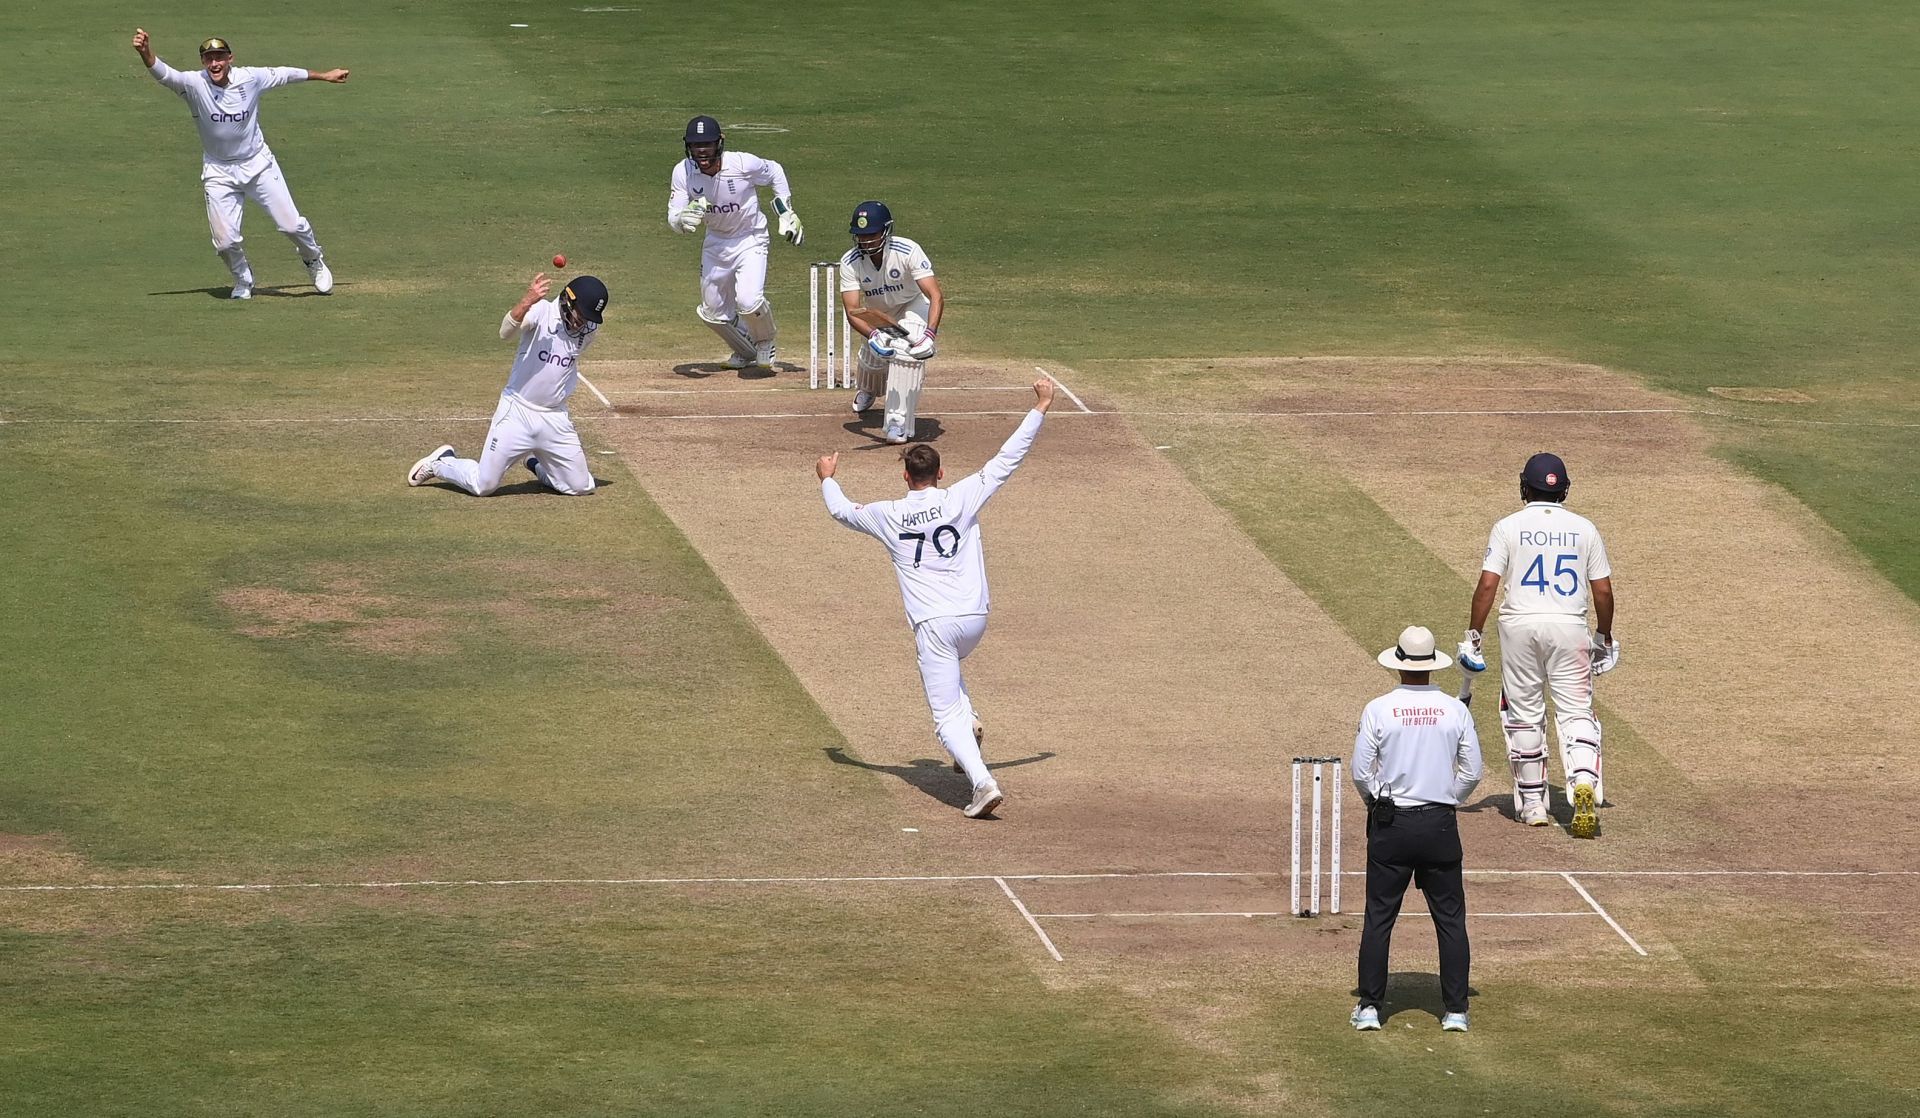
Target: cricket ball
x,y
559,260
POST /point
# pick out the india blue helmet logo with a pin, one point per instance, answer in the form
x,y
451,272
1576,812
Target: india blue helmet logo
x,y
861,221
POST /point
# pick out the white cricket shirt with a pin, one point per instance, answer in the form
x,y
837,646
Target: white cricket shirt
x,y
1545,555
933,534
546,368
1417,744
891,285
228,116
733,192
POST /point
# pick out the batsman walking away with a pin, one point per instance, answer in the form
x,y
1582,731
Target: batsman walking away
x,y
933,536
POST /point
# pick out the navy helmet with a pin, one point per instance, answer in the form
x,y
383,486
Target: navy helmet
x,y
585,294
1545,473
705,130
870,218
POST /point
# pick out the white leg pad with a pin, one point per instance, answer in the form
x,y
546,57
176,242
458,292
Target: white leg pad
x,y
1580,753
870,370
729,332
904,378
757,322
1527,756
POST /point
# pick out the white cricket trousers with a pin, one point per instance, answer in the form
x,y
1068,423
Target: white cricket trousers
x,y
227,187
943,643
520,429
733,274
1541,657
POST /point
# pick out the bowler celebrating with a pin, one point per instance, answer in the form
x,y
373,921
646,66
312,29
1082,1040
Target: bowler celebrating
x,y
237,163
933,535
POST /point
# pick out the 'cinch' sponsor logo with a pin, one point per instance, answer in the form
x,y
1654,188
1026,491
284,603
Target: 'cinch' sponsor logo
x,y
563,360
229,118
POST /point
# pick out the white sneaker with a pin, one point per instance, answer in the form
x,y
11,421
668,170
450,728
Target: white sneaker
x,y
985,799
894,435
1453,1023
241,290
425,470
322,275
1365,1018
738,361
1534,813
862,401
768,351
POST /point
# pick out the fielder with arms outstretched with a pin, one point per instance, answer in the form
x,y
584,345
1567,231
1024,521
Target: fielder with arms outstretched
x,y
933,535
237,164
1553,562
890,295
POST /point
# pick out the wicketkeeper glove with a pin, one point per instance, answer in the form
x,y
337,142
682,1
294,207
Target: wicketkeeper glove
x,y
689,219
790,226
1472,657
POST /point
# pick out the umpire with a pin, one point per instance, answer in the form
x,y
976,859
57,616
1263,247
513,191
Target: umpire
x,y
1415,758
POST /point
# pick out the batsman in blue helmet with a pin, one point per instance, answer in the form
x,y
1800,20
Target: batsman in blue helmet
x,y
892,297
720,189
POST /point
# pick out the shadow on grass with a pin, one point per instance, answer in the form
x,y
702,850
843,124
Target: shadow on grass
x,y
701,370
527,488
924,430
258,292
934,777
1413,992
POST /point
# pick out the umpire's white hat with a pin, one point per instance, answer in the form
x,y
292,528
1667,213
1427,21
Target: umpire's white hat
x,y
1415,652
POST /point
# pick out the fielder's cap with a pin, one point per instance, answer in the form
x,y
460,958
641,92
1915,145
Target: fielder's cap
x,y
588,294
216,46
1545,473
703,130
870,217
1415,652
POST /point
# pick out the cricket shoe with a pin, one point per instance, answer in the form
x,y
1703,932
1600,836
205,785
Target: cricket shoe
x,y
1365,1018
980,743
1586,813
1534,813
1453,1023
893,435
426,469
862,401
738,361
766,355
241,290
985,799
322,275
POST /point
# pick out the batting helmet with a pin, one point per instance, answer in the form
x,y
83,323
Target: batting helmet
x,y
1545,473
870,218
705,130
587,295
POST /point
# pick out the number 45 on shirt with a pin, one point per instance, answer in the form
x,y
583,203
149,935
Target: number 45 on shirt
x,y
1563,568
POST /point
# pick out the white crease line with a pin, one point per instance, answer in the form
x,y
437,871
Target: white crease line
x,y
1031,922
1611,922
1056,380
1117,875
596,391
1583,913
623,393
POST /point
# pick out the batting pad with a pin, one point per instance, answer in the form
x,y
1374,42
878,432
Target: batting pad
x,y
904,378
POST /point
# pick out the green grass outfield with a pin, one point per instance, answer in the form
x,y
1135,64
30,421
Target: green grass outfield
x,y
1717,198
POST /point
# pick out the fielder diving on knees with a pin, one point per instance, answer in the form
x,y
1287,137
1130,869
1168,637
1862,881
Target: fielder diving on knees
x,y
532,424
933,537
889,292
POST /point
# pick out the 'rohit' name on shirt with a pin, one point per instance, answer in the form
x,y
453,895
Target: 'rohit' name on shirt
x,y
1549,539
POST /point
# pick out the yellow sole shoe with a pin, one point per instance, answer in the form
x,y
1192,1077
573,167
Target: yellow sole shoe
x,y
1586,813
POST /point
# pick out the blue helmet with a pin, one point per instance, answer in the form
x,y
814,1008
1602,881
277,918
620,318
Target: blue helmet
x,y
870,218
587,296
703,130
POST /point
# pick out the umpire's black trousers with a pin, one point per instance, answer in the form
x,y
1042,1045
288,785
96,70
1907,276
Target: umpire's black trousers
x,y
1421,844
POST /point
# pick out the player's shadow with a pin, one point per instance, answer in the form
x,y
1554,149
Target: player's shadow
x,y
1413,991
871,425
527,488
258,292
934,777
701,370
1558,808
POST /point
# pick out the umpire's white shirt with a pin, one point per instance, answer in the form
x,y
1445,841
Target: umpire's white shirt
x,y
734,193
546,368
891,285
934,534
228,116
1417,744
1545,555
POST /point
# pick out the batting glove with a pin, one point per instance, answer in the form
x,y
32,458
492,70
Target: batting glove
x,y
1606,654
881,345
1472,657
923,349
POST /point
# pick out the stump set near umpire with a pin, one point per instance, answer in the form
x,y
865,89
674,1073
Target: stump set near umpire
x,y
1293,874
823,294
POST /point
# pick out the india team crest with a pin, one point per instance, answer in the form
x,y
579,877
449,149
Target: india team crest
x,y
862,222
